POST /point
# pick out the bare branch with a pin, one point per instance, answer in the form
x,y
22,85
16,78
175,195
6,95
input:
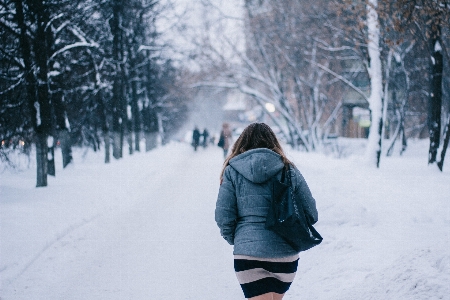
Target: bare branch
x,y
341,78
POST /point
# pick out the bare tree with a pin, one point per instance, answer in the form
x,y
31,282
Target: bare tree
x,y
428,18
280,65
67,77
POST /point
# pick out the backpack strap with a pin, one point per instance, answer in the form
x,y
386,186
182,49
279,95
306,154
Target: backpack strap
x,y
283,174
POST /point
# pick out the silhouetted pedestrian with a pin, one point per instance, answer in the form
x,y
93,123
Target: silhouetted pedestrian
x,y
195,138
205,138
225,139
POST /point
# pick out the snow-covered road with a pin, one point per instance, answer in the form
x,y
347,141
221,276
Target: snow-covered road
x,y
143,228
158,241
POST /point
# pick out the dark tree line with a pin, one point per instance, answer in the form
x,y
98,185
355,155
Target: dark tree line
x,y
429,22
84,72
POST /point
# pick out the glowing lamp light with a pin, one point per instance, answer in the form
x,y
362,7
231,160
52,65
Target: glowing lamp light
x,y
270,107
364,123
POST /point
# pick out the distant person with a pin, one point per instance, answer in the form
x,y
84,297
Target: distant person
x,y
225,139
264,262
205,135
195,138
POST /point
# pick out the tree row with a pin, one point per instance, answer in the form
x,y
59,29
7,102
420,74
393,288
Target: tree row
x,y
84,72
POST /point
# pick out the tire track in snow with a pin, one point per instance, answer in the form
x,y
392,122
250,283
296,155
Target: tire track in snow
x,y
50,243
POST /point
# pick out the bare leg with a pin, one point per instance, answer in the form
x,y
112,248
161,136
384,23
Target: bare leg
x,y
268,296
277,296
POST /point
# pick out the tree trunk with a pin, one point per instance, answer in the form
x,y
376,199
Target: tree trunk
x,y
445,146
66,147
137,139
33,101
51,156
61,121
385,101
26,55
151,140
130,136
151,128
373,151
435,101
135,115
394,137
121,136
41,159
105,125
41,57
118,92
161,134
116,140
102,112
107,146
118,121
404,140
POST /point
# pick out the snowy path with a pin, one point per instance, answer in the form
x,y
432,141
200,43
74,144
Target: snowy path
x,y
162,243
143,228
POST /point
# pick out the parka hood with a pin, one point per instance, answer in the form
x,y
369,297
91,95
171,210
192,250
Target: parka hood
x,y
257,165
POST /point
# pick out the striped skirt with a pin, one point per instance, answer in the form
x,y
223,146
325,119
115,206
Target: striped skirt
x,y
258,276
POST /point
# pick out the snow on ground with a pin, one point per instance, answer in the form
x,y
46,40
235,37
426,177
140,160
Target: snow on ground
x,y
143,228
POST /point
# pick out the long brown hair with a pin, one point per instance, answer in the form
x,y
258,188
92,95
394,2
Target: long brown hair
x,y
255,135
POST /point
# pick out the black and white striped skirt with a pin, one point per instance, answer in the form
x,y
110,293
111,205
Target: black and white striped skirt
x,y
258,276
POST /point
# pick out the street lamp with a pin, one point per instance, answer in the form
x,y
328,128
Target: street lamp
x,y
270,107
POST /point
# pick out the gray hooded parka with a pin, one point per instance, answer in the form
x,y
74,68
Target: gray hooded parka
x,y
244,199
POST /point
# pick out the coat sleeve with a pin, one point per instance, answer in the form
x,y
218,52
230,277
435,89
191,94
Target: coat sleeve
x,y
303,193
226,208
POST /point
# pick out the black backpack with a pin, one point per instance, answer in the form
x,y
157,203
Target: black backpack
x,y
286,216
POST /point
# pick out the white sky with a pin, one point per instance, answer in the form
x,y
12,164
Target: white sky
x,y
197,20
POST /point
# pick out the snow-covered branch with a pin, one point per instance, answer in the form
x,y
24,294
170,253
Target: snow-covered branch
x,y
341,78
72,46
150,48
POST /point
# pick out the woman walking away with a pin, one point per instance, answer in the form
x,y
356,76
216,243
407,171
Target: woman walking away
x,y
225,139
264,262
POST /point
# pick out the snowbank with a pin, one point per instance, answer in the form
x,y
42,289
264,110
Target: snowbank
x,y
144,226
